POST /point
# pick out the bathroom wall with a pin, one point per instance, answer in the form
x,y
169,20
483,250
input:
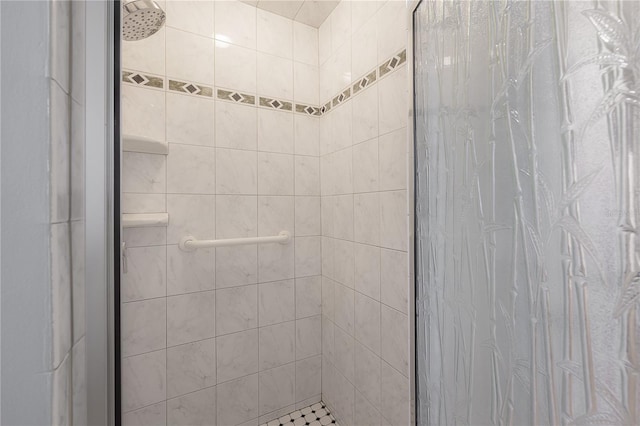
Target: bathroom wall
x,y
231,335
363,148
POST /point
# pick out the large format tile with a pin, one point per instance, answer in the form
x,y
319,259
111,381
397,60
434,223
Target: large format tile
x,y
143,380
191,367
194,409
190,317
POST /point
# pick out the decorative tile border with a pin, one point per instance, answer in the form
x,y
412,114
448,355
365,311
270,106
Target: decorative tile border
x,y
242,98
276,104
392,63
140,79
190,88
388,66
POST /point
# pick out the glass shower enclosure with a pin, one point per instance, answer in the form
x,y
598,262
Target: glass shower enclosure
x,y
527,198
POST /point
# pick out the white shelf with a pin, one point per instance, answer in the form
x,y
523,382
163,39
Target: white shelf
x,y
144,220
133,143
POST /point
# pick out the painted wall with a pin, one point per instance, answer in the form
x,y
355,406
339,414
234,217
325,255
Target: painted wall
x,y
363,148
231,335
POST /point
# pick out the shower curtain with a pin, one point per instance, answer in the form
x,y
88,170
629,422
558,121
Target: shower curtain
x,y
527,201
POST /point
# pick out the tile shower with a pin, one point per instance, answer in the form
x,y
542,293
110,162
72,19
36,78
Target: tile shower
x,y
271,125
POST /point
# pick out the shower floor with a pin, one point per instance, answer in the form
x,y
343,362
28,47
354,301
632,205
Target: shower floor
x,y
314,415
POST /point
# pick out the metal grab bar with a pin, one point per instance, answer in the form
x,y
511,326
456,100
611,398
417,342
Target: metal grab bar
x,y
190,243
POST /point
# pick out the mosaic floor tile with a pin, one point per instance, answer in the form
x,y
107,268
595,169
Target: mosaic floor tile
x,y
315,415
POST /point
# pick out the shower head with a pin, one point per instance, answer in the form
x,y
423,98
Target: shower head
x,y
141,19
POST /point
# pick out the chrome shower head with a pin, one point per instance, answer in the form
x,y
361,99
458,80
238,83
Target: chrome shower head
x,y
141,19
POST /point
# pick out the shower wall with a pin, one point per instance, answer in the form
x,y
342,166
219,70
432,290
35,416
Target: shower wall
x,y
228,335
363,149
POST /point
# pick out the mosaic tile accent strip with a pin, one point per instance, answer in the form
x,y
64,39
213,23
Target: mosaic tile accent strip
x,y
190,88
308,109
243,98
364,82
325,108
393,63
314,415
346,94
139,79
276,104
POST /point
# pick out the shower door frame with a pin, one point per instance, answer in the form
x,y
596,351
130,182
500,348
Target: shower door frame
x,y
412,5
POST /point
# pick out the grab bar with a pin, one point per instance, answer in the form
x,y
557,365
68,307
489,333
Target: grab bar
x,y
190,243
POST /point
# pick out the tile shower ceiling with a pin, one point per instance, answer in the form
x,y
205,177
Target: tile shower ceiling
x,y
308,12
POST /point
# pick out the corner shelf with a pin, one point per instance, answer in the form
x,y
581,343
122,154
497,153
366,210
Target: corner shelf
x,y
144,220
133,143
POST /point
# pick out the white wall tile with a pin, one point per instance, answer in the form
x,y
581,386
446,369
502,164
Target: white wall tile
x,y
275,262
191,169
237,401
395,278
190,120
308,337
345,354
192,16
195,409
189,271
394,404
275,34
305,43
367,270
144,326
344,312
152,415
340,24
305,83
236,172
364,49
363,11
236,309
367,322
190,215
308,378
275,131
190,317
344,271
235,22
236,266
307,216
308,296
393,160
308,252
143,112
190,57
307,136
235,67
324,41
392,101
393,220
236,126
275,214
237,355
143,380
275,174
368,374
365,166
392,22
275,76
191,367
145,276
276,302
341,130
365,413
277,345
365,115
146,55
366,212
276,388
395,339
144,173
61,291
307,175
236,216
